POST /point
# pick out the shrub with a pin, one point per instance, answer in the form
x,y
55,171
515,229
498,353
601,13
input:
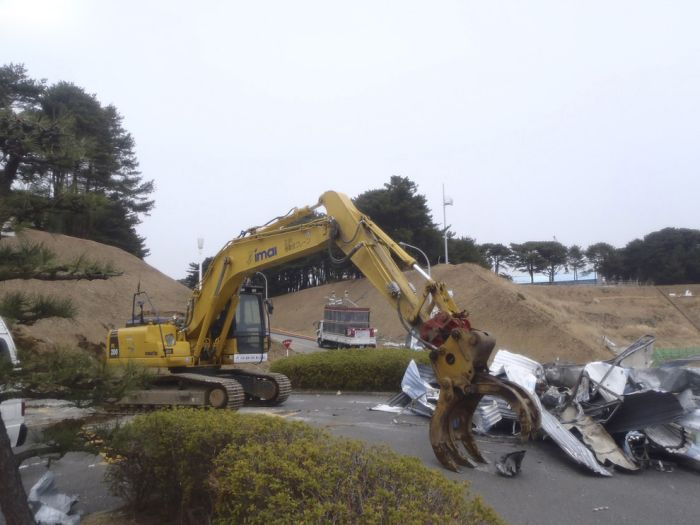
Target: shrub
x,y
227,467
77,375
26,309
24,260
163,459
355,370
336,481
28,260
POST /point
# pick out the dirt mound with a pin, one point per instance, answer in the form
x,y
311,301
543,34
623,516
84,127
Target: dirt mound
x,y
543,322
101,304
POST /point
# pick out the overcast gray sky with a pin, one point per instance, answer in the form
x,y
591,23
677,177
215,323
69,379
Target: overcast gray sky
x,y
578,120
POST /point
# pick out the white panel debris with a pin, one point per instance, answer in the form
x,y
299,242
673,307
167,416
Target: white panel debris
x,y
612,379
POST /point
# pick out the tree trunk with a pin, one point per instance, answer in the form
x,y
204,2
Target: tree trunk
x,y
8,175
13,498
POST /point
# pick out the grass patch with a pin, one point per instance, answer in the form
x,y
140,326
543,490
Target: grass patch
x,y
354,369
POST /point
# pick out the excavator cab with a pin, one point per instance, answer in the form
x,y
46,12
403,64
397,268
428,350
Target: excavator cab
x,y
251,326
248,339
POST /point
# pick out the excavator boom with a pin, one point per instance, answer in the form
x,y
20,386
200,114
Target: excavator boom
x,y
458,352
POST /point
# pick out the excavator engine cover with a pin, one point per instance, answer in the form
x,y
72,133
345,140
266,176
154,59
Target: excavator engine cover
x,y
461,364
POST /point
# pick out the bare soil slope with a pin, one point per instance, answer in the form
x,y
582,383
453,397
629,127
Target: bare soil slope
x,y
544,322
101,304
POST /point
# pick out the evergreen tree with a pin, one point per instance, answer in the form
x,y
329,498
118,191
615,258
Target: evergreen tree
x,y
496,255
526,258
602,257
554,254
75,160
403,214
668,256
576,260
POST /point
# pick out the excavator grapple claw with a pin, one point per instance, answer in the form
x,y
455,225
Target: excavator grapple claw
x,y
460,365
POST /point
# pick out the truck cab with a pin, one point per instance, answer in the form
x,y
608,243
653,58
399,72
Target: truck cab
x,y
12,410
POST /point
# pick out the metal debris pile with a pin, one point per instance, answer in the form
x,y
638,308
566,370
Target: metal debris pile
x,y
621,413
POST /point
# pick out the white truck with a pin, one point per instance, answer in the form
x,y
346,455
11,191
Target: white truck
x,y
12,410
345,326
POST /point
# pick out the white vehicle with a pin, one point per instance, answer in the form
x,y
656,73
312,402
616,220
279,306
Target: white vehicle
x,y
345,326
12,410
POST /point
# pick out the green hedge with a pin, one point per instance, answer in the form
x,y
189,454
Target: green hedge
x,y
336,481
163,459
354,370
226,467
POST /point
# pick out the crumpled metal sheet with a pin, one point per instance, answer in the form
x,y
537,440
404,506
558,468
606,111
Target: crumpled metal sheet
x,y
414,386
672,438
554,429
569,443
691,422
417,395
644,409
504,357
562,375
673,380
600,442
55,507
490,411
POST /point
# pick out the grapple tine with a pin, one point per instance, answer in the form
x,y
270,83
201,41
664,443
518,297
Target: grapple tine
x,y
464,430
460,364
442,432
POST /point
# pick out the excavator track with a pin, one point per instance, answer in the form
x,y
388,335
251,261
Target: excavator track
x,y
187,389
266,389
233,394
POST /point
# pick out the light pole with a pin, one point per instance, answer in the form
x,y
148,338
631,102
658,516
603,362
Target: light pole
x,y
419,250
200,247
446,201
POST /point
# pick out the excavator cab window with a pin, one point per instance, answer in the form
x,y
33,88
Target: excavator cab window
x,y
249,327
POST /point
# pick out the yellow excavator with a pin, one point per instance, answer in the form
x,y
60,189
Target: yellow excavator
x,y
226,321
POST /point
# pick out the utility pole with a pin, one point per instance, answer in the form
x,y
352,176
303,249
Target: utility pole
x,y
446,201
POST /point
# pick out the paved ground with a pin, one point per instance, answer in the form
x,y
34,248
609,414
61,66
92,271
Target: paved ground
x,y
550,489
300,344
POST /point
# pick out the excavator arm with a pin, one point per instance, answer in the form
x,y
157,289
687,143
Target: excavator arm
x,y
458,352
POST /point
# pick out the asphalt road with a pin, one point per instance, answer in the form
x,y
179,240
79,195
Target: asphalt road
x,y
549,490
300,344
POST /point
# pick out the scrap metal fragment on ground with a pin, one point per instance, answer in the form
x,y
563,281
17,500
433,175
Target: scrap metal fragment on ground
x,y
622,413
509,464
51,507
